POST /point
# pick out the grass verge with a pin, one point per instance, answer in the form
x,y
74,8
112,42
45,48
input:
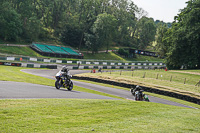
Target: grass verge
x,y
74,115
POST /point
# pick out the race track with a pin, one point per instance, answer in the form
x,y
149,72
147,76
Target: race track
x,y
113,91
16,90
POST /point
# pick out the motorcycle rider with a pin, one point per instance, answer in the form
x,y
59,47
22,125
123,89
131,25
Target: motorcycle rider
x,y
65,72
140,95
137,88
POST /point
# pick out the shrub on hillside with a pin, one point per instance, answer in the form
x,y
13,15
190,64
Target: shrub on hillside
x,y
123,52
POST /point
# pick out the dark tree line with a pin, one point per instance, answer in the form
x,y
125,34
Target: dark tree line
x,y
80,23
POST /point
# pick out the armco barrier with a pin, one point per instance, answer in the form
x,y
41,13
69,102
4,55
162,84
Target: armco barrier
x,y
89,62
115,67
147,89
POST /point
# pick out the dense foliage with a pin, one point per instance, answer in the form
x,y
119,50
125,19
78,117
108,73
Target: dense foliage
x,y
181,43
123,52
90,23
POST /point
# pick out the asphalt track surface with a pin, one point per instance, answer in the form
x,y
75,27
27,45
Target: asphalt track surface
x,y
16,90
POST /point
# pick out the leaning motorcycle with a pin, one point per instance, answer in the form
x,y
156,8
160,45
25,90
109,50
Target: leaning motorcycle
x,y
63,81
139,95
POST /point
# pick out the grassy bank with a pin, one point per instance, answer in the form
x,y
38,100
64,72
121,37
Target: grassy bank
x,y
103,56
70,115
26,51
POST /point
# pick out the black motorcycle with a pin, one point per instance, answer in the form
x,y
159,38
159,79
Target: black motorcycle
x,y
139,95
63,81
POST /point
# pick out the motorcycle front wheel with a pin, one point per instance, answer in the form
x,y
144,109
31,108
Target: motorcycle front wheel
x,y
133,93
58,84
70,86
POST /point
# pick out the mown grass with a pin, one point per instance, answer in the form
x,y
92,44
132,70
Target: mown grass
x,y
9,73
84,116
167,80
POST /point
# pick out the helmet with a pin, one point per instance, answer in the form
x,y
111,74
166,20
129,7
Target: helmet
x,y
137,86
64,69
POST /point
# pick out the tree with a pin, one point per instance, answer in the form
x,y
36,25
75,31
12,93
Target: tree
x,y
103,30
105,21
32,29
91,42
145,32
183,38
71,35
10,24
122,11
161,46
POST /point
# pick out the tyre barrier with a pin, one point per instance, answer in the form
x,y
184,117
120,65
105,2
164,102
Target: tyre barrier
x,y
49,66
10,64
39,66
147,89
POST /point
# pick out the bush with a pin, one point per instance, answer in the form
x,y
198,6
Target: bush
x,y
123,52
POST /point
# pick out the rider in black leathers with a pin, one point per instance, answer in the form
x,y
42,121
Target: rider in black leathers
x,y
137,88
65,72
